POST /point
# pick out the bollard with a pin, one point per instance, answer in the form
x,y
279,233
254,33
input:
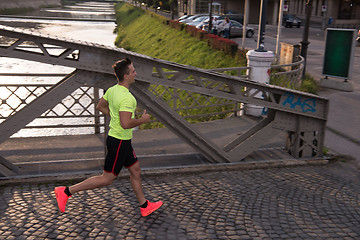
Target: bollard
x,y
259,63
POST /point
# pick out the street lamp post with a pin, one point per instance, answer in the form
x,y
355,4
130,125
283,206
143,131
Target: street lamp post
x,y
262,23
210,17
305,42
259,63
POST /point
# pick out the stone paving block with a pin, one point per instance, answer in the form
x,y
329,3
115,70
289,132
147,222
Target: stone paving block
x,y
286,203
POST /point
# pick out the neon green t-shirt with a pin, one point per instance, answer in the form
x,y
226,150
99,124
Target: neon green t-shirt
x,y
120,100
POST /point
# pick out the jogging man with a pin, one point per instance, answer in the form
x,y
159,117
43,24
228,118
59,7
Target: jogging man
x,y
120,105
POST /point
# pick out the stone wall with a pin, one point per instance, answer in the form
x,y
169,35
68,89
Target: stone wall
x,y
10,4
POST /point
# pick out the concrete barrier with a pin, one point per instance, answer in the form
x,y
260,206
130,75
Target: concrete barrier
x,y
6,4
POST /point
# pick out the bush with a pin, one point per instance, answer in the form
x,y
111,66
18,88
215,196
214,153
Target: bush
x,y
309,85
214,41
176,24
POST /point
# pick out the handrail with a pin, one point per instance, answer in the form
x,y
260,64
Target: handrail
x,y
301,61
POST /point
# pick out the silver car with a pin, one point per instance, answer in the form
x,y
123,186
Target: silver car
x,y
201,21
236,29
192,18
198,20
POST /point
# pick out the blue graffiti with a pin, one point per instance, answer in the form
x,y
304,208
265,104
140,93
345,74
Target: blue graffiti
x,y
307,105
264,111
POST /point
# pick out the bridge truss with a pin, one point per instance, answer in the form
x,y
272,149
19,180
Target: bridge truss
x,y
302,115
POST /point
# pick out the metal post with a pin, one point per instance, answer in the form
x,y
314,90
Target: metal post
x,y
323,14
281,9
246,14
305,42
106,129
97,112
262,23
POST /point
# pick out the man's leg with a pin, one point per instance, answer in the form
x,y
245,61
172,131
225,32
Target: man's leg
x,y
146,207
135,179
63,193
94,182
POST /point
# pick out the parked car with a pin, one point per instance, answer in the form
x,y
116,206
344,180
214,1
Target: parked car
x,y
192,18
201,21
184,17
290,20
236,29
205,22
236,17
198,20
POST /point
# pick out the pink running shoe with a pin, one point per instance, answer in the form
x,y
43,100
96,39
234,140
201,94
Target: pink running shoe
x,y
151,207
61,198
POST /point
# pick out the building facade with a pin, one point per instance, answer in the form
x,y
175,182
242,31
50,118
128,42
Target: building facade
x,y
335,13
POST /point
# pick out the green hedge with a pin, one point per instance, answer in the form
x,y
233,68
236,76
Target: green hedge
x,y
216,42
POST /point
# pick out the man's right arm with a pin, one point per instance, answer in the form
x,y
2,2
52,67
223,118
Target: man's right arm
x,y
127,122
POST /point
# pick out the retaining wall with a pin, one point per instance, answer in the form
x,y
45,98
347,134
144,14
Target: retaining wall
x,y
10,4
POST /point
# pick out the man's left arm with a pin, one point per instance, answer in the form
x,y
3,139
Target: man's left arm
x,y
103,106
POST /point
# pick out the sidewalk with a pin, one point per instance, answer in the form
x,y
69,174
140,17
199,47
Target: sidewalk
x,y
281,203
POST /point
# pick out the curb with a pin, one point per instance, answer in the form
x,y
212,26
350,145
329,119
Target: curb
x,y
149,172
59,19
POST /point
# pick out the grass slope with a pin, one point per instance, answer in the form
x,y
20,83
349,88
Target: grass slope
x,y
145,33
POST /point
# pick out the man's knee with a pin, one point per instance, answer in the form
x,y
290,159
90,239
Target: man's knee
x,y
108,179
135,172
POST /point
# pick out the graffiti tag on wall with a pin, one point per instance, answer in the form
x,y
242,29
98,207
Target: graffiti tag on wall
x,y
307,105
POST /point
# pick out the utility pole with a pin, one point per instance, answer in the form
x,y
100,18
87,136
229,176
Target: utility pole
x,y
281,10
262,23
305,42
245,22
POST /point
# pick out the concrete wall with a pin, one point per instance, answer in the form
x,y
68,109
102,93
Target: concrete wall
x,y
6,4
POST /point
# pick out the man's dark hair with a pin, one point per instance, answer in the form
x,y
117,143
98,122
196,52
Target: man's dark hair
x,y
121,68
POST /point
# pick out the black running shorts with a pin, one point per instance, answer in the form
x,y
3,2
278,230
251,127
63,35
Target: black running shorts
x,y
119,153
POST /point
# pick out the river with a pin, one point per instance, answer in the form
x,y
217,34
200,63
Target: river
x,y
85,21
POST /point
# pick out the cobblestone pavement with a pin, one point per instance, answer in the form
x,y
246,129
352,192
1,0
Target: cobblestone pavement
x,y
285,203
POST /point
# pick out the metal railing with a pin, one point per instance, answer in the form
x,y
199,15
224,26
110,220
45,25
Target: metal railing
x,y
79,108
288,75
76,110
